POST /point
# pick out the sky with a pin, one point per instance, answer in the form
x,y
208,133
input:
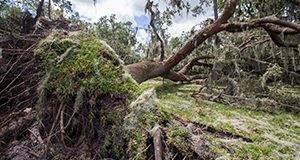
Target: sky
x,y
133,10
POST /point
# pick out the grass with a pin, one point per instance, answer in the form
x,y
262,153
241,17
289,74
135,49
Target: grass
x,y
274,136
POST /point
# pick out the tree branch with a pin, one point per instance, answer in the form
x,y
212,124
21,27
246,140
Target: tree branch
x,y
280,42
262,22
200,36
194,62
49,9
252,45
270,25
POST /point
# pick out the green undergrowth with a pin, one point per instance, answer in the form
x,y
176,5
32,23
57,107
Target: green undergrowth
x,y
270,135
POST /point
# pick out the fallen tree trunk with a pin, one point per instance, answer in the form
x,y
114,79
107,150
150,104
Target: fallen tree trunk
x,y
149,69
143,71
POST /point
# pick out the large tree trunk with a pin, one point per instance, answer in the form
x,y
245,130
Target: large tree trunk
x,y
143,71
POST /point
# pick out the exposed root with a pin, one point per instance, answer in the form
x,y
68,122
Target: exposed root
x,y
18,122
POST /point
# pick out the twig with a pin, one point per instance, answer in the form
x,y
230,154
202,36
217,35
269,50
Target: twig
x,y
62,130
142,151
18,95
256,43
15,78
53,125
16,63
67,125
38,137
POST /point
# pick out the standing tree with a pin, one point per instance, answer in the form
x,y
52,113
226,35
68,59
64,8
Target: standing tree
x,y
154,16
215,7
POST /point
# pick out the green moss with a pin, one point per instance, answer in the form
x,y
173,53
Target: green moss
x,y
139,124
113,138
113,145
141,133
178,136
81,60
178,131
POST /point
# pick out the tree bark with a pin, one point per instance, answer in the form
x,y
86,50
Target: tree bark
x,y
201,36
153,15
145,70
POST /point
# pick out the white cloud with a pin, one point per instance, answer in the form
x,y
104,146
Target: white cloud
x,y
186,22
126,10
142,36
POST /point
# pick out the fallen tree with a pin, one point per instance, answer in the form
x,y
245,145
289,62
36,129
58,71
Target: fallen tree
x,y
72,96
275,27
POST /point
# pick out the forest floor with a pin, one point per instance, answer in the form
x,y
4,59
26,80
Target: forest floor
x,y
224,131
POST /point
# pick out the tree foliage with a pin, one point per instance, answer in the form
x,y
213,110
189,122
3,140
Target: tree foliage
x,y
10,17
119,35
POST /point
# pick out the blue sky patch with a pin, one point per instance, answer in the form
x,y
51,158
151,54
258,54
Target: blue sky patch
x,y
142,20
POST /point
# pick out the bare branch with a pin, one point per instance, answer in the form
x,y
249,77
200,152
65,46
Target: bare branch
x,y
273,25
280,42
252,45
262,22
194,62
